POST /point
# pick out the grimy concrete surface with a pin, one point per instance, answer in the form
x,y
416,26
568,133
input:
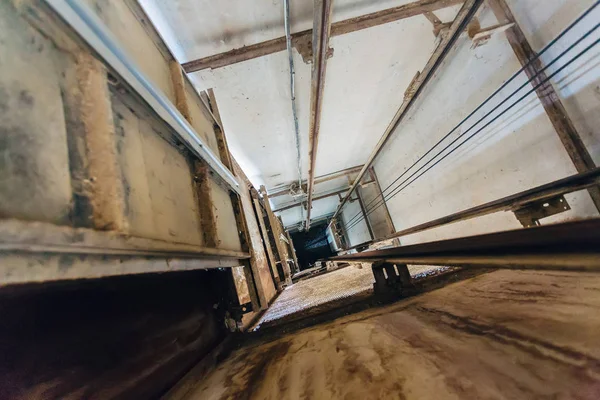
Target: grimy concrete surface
x,y
502,335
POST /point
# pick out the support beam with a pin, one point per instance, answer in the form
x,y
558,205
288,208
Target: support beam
x,y
318,179
339,28
461,21
321,31
563,186
318,197
553,106
200,170
277,231
364,213
293,250
103,186
570,246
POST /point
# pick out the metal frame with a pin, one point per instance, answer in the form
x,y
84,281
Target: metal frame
x,y
513,202
571,246
93,31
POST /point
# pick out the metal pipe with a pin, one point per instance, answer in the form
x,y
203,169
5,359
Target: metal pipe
x,y
288,41
93,31
571,246
320,45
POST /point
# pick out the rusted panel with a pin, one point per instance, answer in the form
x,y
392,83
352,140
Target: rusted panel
x,y
300,39
34,167
550,100
506,334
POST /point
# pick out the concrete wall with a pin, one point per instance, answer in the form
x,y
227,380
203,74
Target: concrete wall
x,y
518,152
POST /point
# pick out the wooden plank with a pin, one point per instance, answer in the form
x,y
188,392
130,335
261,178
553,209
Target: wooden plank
x,y
550,100
276,230
320,38
459,24
339,28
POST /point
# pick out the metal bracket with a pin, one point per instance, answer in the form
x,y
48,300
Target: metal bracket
x,y
481,36
391,277
530,214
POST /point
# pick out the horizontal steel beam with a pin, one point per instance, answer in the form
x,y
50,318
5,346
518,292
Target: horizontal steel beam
x,y
550,190
318,179
93,31
566,246
321,196
338,28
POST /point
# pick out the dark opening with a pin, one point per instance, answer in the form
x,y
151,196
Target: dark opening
x,y
312,245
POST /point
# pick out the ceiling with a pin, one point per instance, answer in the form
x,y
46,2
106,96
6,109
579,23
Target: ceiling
x,y
365,83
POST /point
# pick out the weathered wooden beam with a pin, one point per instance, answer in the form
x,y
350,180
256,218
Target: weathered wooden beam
x,y
277,231
339,28
550,100
459,24
321,33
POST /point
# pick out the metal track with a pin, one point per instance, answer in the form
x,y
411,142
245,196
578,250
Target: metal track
x,y
571,246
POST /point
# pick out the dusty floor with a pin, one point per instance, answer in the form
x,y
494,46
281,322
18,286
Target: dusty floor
x,y
501,335
335,285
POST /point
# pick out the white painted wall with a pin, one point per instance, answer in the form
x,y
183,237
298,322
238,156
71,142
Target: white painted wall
x,y
518,152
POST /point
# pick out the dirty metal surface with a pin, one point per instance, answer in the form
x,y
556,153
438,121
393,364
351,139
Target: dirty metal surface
x,y
504,335
355,280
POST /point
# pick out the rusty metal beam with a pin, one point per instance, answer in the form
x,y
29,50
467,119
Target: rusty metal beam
x,y
553,106
339,28
459,24
318,179
321,31
550,190
573,246
318,197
